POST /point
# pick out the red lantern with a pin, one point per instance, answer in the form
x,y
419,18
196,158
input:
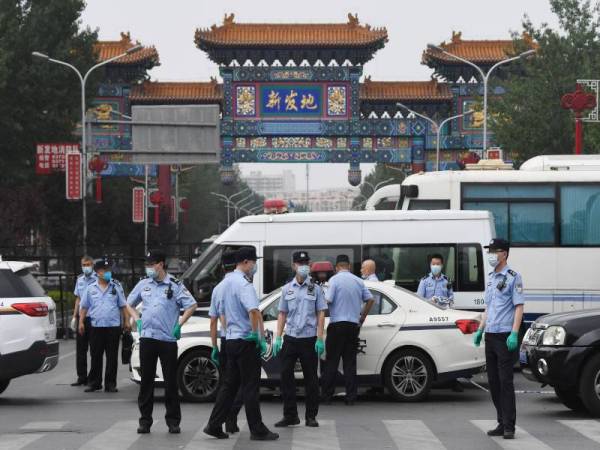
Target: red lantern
x,y
184,204
97,166
156,198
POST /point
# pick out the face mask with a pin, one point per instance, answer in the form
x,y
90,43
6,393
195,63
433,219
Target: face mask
x,y
252,270
87,270
436,269
150,272
493,259
107,276
303,271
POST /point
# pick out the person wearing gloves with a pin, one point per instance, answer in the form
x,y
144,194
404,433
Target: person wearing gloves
x,y
501,322
163,297
302,312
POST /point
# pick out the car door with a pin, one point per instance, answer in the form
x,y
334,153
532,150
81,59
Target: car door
x,y
381,325
271,366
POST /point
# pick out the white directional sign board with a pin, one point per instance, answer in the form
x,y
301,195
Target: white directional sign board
x,y
176,134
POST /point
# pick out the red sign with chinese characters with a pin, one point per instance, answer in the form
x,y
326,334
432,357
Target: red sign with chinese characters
x,y
73,176
139,205
50,157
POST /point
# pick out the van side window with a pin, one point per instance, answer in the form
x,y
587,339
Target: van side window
x,y
470,269
580,214
428,205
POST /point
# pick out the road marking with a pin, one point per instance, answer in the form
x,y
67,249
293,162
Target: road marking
x,y
412,434
204,441
17,441
94,400
121,435
589,428
44,426
522,438
322,438
66,355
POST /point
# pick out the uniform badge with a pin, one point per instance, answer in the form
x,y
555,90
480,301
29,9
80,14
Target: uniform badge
x,y
147,288
519,288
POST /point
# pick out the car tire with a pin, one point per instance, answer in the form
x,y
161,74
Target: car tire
x,y
3,385
408,375
589,385
198,377
570,398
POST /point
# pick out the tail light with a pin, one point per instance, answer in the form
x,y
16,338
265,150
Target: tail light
x,y
467,326
38,309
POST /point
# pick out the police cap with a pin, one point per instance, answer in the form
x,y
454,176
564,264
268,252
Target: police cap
x,y
246,253
155,256
298,257
498,244
102,264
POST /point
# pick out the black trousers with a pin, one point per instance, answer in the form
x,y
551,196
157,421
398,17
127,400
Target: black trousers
x,y
82,342
238,401
302,349
500,363
342,342
104,341
151,350
243,369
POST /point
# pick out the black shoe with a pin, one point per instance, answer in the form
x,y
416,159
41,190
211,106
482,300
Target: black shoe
x,y
143,429
349,402
286,422
498,431
111,389
267,436
79,383
92,388
509,434
311,422
231,427
174,429
215,432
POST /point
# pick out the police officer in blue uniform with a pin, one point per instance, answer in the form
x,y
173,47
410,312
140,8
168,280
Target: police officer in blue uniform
x,y
219,295
82,340
163,297
104,302
302,311
436,284
501,323
346,296
244,337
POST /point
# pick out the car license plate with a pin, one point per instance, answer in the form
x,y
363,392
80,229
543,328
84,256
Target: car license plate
x,y
523,357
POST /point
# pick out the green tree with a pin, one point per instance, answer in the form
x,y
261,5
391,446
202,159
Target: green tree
x,y
379,174
528,120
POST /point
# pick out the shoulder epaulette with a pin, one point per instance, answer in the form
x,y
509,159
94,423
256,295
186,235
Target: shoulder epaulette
x,y
512,272
116,282
248,279
425,277
175,280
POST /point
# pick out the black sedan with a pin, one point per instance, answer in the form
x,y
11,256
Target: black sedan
x,y
563,350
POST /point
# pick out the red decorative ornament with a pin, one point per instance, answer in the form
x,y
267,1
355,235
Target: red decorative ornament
x,y
184,204
578,102
156,198
97,166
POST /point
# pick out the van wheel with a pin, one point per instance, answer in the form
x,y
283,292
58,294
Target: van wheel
x,y
570,399
408,375
198,377
589,385
3,385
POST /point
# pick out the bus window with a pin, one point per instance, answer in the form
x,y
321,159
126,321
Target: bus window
x,y
277,269
580,214
428,205
470,269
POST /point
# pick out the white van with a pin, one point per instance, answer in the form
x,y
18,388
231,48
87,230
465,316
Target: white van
x,y
399,242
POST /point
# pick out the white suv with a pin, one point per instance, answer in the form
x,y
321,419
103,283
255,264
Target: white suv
x,y
27,324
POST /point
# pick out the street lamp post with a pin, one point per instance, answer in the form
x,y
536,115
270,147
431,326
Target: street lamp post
x,y
439,127
83,80
484,77
228,201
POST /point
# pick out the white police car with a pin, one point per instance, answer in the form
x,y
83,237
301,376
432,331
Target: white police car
x,y
405,344
27,324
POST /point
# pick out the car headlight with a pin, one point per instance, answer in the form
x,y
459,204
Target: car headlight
x,y
554,335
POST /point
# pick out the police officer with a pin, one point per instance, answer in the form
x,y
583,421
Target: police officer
x,y
501,323
163,297
104,302
219,295
346,295
436,284
302,311
244,335
82,340
368,269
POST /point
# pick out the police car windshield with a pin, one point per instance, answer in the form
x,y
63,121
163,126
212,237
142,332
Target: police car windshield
x,y
429,302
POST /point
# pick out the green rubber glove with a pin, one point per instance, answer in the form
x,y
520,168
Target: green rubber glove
x,y
177,331
477,337
277,346
512,341
138,324
262,347
319,347
214,355
252,337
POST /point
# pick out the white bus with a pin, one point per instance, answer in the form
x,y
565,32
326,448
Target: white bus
x,y
399,242
549,210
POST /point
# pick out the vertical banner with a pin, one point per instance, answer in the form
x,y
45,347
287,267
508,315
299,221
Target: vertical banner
x,y
73,176
138,208
173,210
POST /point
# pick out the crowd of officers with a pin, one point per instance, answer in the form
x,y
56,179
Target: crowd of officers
x,y
102,312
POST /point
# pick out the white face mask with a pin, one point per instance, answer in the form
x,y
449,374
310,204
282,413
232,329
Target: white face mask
x,y
492,259
436,269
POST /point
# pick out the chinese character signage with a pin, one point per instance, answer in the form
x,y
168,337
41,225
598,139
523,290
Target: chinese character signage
x,y
73,176
50,157
139,205
291,100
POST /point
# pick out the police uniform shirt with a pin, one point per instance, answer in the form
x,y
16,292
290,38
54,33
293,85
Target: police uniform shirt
x,y
372,277
217,297
503,293
241,300
302,302
346,295
431,286
82,282
160,313
104,305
